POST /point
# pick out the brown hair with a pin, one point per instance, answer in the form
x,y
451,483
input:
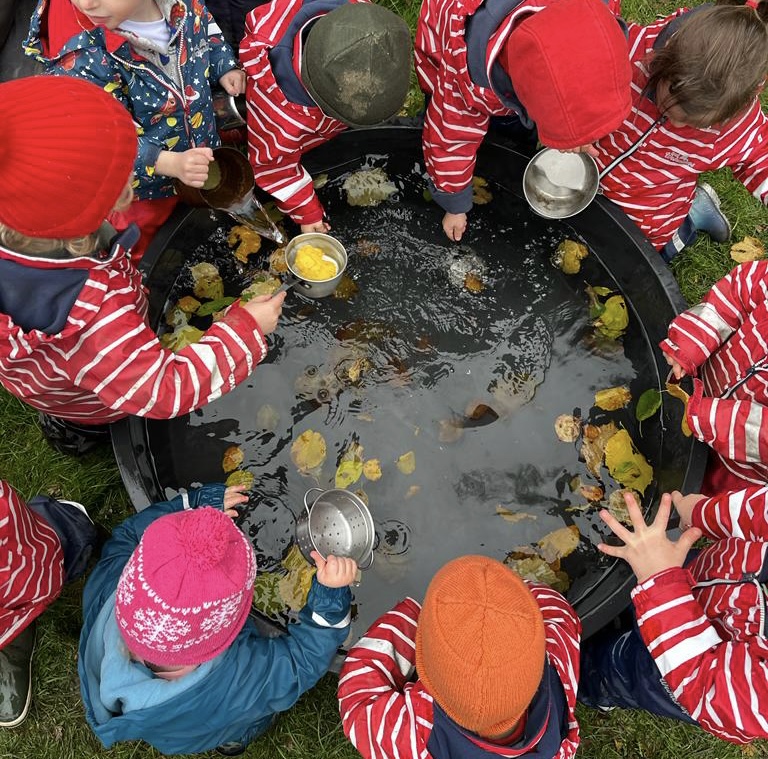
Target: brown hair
x,y
715,63
43,247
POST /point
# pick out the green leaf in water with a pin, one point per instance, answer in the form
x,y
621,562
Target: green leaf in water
x,y
212,306
648,404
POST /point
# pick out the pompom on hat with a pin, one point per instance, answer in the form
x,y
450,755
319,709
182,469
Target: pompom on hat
x,y
480,644
186,591
67,150
569,66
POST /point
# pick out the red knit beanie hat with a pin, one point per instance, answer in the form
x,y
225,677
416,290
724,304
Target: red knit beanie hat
x,y
480,644
569,66
186,591
66,153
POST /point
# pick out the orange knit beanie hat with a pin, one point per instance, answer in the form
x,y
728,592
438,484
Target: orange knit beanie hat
x,y
480,644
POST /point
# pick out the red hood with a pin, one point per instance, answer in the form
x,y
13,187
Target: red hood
x,y
61,21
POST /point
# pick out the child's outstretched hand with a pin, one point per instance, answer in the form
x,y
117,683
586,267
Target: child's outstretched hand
x,y
684,505
266,310
233,81
234,495
648,550
319,226
335,571
454,225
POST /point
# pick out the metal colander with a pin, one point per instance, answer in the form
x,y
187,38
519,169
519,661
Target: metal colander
x,y
336,522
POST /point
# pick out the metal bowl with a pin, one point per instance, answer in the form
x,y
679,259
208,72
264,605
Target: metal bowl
x,y
558,185
332,248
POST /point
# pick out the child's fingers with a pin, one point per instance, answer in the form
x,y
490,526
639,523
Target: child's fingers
x,y
617,527
634,510
688,538
665,509
320,562
616,551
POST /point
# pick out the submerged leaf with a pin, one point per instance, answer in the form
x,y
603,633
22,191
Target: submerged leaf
x,y
372,470
207,281
267,418
240,477
613,398
473,283
480,192
407,463
560,543
308,451
593,444
266,594
569,255
348,472
618,507
592,492
513,517
536,569
206,309
294,586
246,240
626,464
262,284
233,457
277,262
567,428
648,404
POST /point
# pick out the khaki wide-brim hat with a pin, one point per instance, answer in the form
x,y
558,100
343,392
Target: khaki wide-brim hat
x,y
356,63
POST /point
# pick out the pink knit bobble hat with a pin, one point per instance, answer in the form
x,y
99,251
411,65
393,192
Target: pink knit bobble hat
x,y
185,593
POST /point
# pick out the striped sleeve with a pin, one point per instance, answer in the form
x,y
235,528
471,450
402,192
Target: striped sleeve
x,y
737,514
722,684
383,714
119,358
31,565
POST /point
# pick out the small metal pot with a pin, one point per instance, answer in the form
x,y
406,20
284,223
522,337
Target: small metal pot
x,y
558,185
337,522
234,180
331,247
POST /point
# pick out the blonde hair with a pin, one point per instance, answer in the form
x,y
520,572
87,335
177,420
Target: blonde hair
x,y
715,63
43,247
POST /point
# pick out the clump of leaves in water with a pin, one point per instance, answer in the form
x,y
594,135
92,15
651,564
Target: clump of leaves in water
x,y
368,187
207,281
245,242
480,192
568,256
608,311
613,398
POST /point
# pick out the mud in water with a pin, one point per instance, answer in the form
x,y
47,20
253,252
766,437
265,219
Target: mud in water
x,y
464,354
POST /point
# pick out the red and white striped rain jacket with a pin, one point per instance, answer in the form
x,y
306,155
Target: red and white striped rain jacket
x,y
705,625
92,358
723,342
31,565
283,121
655,184
386,715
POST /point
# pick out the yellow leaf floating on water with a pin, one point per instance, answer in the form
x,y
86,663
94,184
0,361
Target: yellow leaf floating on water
x,y
569,255
480,192
748,249
240,477
372,470
294,586
207,281
277,262
614,319
536,569
677,392
613,398
593,441
233,457
473,283
626,464
266,594
407,463
308,451
348,473
567,428
560,543
513,517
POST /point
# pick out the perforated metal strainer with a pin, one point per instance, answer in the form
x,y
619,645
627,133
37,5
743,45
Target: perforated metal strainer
x,y
336,522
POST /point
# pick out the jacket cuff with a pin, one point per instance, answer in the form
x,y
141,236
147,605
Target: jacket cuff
x,y
452,202
329,607
672,350
666,585
211,494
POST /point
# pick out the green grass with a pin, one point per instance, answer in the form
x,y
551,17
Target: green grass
x,y
56,727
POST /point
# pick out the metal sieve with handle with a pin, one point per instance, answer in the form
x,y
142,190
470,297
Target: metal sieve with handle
x,y
336,522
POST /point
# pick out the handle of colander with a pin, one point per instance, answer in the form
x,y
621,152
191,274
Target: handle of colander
x,y
306,495
368,565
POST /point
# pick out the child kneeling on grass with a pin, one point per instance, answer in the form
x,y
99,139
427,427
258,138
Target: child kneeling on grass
x,y
487,667
168,653
43,544
698,650
74,339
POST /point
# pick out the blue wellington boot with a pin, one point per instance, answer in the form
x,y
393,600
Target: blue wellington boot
x,y
706,215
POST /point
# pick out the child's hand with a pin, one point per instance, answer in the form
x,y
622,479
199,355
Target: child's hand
x,y
684,505
648,550
189,166
233,82
677,371
234,495
318,226
335,571
266,309
454,225
588,149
